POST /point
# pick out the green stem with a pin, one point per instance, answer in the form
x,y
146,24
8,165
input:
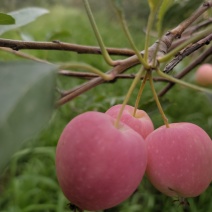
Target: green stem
x,y
183,45
157,100
186,84
128,35
98,36
140,93
89,68
149,27
129,93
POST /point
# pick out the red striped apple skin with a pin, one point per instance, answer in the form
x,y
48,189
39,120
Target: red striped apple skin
x,y
179,159
98,166
141,123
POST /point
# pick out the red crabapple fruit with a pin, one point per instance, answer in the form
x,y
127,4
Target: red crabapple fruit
x,y
179,159
141,122
203,75
98,165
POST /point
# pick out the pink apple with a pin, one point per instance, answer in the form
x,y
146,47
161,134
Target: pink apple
x,y
179,160
203,75
98,165
141,122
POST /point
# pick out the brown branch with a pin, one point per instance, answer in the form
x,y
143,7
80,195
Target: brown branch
x,y
178,31
82,49
88,76
73,91
198,26
186,52
24,55
188,32
123,66
162,46
182,26
191,66
57,45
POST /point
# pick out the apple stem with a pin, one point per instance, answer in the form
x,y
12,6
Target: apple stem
x,y
181,82
122,20
129,93
165,119
148,30
98,36
140,93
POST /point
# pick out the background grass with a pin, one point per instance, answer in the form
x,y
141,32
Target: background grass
x,y
29,182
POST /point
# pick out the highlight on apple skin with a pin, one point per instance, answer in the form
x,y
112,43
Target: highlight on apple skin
x,y
203,75
98,165
141,123
179,159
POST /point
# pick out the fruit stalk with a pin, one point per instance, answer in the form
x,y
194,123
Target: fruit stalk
x,y
140,93
134,83
165,119
98,36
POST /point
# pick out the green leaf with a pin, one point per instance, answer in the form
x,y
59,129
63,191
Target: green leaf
x,y
27,103
23,17
6,19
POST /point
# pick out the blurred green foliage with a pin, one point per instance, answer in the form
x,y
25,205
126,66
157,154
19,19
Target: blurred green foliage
x,y
29,183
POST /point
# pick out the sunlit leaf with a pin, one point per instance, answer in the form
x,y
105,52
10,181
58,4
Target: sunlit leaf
x,y
26,36
6,19
27,103
23,17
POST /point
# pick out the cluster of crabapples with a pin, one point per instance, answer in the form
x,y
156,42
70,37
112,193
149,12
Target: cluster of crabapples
x,y
99,164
